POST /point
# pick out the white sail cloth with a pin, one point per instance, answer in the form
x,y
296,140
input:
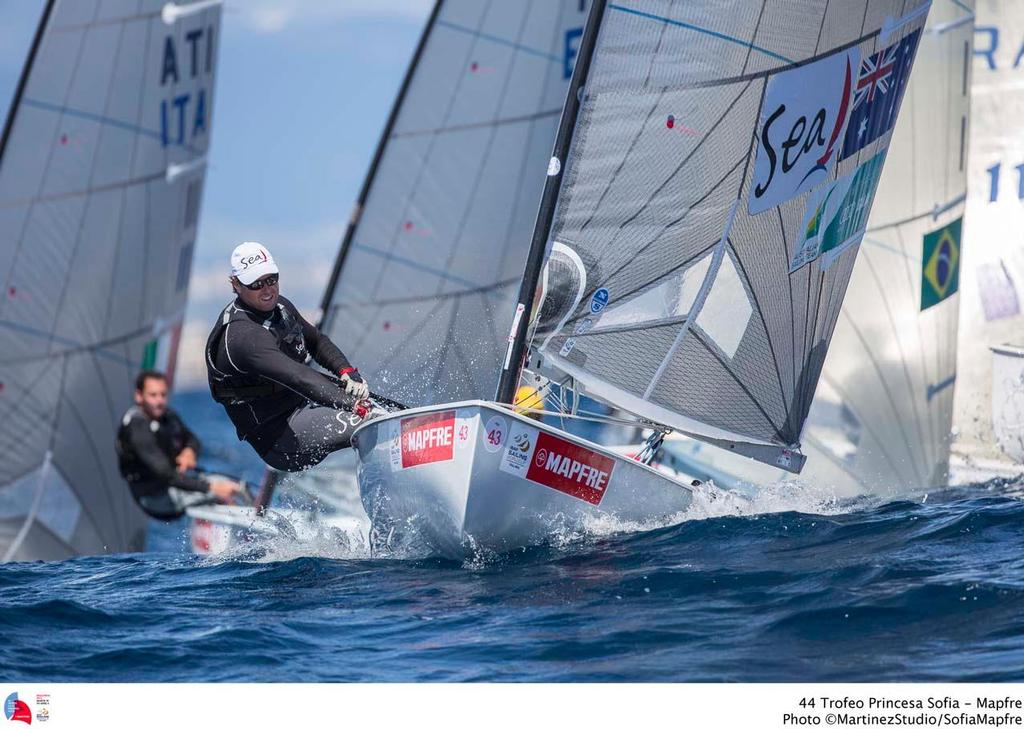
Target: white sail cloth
x,y
421,304
100,185
719,179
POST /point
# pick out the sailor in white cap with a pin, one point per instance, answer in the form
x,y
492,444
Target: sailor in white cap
x,y
292,415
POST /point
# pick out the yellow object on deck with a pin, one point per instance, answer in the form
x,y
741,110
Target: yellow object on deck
x,y
528,399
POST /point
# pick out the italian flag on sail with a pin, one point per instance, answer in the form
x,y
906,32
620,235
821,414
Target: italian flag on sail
x,y
161,352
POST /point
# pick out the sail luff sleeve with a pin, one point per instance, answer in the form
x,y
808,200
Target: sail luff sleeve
x,y
509,379
684,306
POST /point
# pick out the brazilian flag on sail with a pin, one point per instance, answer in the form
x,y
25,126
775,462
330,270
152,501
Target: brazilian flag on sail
x,y
940,275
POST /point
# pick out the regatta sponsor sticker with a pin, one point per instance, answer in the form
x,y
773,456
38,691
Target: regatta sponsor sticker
x,y
557,463
495,433
395,445
516,459
837,215
567,347
428,438
599,300
800,130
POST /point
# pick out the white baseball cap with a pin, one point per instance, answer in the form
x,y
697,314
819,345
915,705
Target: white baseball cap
x,y
250,261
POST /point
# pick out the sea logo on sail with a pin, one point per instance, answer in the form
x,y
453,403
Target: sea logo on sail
x,y
428,438
570,468
802,120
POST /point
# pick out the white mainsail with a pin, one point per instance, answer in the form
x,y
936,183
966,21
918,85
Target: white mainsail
x,y
420,298
101,172
882,414
992,270
719,179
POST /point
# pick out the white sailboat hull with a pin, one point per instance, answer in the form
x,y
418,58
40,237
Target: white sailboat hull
x,y
467,477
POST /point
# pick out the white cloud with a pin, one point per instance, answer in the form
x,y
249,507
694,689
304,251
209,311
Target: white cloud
x,y
273,16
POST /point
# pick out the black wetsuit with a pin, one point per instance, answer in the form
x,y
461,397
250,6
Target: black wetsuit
x,y
292,415
146,450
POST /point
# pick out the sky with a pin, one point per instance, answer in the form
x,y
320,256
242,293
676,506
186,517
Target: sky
x,y
303,90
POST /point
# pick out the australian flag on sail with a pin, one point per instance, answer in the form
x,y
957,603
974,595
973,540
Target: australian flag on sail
x,y
880,85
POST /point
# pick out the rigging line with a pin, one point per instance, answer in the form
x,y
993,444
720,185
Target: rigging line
x,y
421,171
753,37
698,29
821,26
545,113
87,205
49,157
663,274
804,398
746,390
879,245
622,163
889,399
672,176
911,391
426,297
501,41
475,186
771,344
636,137
792,306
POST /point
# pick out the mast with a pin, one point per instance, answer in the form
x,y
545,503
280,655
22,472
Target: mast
x,y
535,260
357,209
23,80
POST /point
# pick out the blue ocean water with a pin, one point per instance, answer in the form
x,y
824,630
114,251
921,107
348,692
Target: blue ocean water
x,y
929,589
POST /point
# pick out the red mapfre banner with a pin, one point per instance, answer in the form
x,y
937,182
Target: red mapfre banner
x,y
428,438
570,468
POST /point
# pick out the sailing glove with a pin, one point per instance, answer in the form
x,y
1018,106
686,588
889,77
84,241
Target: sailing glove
x,y
354,383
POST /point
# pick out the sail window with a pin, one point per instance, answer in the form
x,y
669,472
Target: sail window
x,y
726,312
671,299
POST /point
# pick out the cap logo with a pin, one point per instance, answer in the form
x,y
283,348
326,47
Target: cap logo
x,y
249,260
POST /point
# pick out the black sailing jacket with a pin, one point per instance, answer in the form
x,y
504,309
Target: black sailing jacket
x,y
256,367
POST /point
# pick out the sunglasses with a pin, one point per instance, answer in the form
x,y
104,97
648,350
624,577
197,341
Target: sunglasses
x,y
270,280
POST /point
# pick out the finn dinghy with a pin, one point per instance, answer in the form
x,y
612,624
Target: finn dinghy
x,y
712,177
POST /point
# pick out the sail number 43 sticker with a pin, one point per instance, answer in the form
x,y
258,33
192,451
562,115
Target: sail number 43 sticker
x,y
557,463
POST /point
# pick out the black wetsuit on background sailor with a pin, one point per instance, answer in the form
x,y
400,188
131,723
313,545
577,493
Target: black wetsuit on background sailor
x,y
291,414
155,451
